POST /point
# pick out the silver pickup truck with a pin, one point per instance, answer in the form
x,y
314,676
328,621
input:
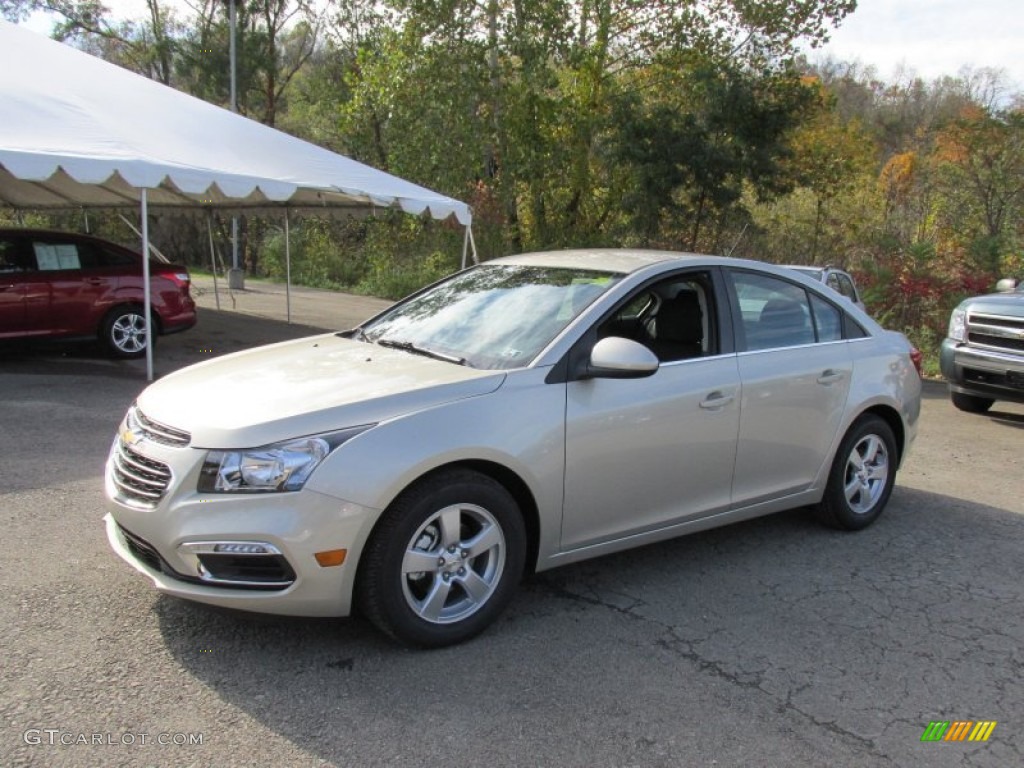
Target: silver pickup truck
x,y
982,356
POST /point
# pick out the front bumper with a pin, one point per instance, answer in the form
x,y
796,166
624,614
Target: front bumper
x,y
982,372
271,541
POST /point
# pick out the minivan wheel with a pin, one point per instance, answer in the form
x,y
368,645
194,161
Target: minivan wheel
x,y
123,331
971,403
862,476
444,561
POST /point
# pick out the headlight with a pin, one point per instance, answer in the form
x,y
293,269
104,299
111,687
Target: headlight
x,y
958,325
279,467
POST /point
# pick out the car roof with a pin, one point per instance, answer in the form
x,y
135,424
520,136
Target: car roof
x,y
40,232
621,260
809,269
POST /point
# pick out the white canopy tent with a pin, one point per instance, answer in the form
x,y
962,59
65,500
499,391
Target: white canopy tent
x,y
79,132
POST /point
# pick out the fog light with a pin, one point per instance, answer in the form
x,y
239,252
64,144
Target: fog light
x,y
331,557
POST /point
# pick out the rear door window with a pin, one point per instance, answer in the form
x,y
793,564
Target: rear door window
x,y
774,313
53,257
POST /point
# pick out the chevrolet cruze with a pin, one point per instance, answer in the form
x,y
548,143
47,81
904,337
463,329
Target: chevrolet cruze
x,y
530,412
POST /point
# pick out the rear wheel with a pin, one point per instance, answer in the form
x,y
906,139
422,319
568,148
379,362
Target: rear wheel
x,y
862,476
971,403
124,331
444,560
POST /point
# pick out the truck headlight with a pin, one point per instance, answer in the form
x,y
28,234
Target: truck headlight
x,y
282,466
958,325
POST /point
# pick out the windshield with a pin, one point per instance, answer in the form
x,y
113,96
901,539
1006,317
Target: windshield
x,y
492,316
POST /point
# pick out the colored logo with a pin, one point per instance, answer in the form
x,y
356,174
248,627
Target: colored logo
x,y
958,730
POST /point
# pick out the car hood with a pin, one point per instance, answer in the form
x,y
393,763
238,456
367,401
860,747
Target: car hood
x,y
308,386
997,303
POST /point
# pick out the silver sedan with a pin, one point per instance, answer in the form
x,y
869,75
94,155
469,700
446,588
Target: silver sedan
x,y
523,414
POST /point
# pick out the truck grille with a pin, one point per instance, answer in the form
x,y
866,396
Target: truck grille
x,y
996,331
140,480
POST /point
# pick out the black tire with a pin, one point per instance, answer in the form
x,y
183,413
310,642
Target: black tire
x,y
971,403
123,332
466,532
862,476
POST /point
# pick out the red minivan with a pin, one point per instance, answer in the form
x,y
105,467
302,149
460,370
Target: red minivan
x,y
64,285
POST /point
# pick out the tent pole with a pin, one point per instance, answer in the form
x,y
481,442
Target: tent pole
x,y
147,302
465,246
287,267
472,243
213,257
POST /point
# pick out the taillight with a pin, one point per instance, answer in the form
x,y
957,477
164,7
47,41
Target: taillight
x,y
916,357
181,280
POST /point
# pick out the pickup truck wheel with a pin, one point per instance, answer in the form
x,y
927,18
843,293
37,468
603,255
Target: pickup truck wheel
x,y
862,476
971,403
444,560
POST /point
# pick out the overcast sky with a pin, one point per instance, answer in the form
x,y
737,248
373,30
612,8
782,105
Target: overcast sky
x,y
929,38
933,37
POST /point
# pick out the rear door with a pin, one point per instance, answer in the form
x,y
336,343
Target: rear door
x,y
795,370
81,286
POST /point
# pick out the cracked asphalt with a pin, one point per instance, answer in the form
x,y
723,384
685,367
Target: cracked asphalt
x,y
774,642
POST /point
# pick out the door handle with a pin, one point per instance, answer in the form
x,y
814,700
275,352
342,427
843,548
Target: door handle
x,y
828,377
716,401
94,281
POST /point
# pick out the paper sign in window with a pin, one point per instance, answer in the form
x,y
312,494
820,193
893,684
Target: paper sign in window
x,y
52,257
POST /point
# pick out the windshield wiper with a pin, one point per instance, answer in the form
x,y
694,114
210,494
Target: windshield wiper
x,y
408,346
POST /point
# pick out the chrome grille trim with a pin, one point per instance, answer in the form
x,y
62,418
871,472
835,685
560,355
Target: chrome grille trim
x,y
141,482
157,432
995,331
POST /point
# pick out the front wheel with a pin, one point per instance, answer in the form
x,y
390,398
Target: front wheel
x,y
862,476
444,560
124,331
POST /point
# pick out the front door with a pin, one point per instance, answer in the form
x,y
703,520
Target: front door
x,y
642,454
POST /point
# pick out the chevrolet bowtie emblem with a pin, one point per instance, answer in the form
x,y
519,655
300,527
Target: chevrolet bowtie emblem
x,y
129,437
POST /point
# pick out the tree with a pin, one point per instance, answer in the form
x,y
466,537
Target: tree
x,y
980,166
274,39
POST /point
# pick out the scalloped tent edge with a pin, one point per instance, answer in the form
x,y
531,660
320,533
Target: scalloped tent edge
x,y
79,132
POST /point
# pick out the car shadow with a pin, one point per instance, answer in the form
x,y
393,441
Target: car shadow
x,y
895,619
217,332
933,389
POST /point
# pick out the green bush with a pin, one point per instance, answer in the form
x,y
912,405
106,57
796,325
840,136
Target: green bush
x,y
319,257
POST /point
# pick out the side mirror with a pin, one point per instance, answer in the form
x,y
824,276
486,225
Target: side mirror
x,y
1006,285
618,358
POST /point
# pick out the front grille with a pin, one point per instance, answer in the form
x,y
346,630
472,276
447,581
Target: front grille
x,y
1010,379
155,431
144,552
140,480
1017,345
996,331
